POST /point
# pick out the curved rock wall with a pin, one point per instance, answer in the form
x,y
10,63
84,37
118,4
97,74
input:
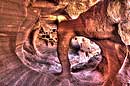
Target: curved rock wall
x,y
26,60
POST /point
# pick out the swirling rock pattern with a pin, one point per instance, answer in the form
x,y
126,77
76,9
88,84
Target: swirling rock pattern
x,y
27,60
17,23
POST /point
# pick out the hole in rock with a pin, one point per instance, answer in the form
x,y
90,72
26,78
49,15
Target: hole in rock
x,y
83,55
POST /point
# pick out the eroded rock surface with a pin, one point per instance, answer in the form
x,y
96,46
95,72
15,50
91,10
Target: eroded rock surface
x,y
28,44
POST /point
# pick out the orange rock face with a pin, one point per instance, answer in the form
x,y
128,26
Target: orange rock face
x,y
64,43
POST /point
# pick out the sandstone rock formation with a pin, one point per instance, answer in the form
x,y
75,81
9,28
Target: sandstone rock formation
x,y
28,43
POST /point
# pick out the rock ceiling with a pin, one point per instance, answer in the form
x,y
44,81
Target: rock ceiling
x,y
28,43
